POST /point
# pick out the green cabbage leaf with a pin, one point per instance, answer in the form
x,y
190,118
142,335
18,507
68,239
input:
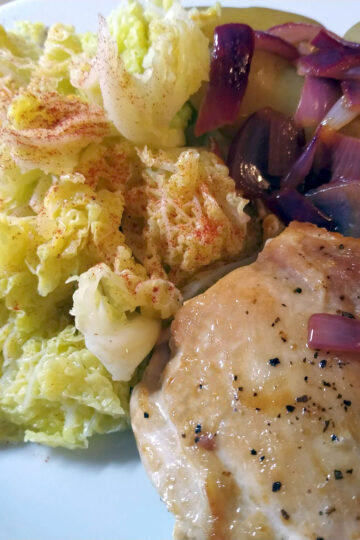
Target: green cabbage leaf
x,y
149,62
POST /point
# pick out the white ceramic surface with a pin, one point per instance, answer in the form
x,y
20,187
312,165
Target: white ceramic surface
x,y
101,493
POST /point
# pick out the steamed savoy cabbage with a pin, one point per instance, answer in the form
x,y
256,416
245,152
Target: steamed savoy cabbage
x,y
52,385
81,196
171,62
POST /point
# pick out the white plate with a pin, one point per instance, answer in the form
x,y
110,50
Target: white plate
x,y
101,493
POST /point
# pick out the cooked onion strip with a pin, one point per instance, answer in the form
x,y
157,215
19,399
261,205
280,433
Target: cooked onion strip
x,y
334,333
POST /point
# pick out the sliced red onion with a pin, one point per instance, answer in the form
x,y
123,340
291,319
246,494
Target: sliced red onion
x,y
341,202
344,152
229,70
295,33
274,44
339,115
334,58
351,74
286,141
328,40
290,205
318,95
333,333
332,63
351,91
263,150
248,155
305,48
302,165
250,181
331,156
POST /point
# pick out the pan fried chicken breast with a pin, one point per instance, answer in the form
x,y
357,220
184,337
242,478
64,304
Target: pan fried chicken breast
x,y
245,431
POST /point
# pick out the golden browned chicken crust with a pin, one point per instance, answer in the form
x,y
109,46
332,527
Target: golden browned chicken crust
x,y
246,432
